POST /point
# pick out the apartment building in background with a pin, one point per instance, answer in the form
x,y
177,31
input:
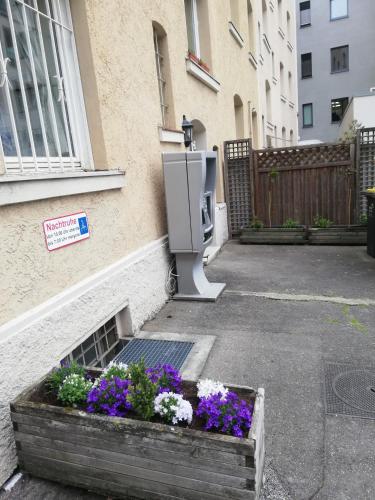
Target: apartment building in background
x,y
334,40
91,94
275,59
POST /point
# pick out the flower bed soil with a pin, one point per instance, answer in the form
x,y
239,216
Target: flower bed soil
x,y
44,395
127,457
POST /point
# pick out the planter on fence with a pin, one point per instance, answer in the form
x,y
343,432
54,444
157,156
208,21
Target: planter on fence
x,y
338,235
274,235
125,457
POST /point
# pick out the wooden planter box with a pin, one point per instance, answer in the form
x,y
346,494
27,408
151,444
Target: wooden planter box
x,y
338,235
274,236
130,458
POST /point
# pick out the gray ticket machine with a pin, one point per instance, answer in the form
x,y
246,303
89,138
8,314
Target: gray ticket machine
x,y
189,180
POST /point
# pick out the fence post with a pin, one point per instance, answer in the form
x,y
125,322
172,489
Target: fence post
x,y
357,176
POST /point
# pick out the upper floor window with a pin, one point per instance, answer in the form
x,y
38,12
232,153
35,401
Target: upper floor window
x,y
42,119
340,59
306,65
196,13
304,14
280,12
163,73
338,107
339,9
250,21
307,115
234,13
191,14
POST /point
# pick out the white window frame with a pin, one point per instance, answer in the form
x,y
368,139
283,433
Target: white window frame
x,y
195,27
71,91
162,83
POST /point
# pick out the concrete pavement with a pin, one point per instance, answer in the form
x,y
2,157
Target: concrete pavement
x,y
282,345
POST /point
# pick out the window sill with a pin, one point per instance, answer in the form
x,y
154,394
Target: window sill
x,y
195,70
340,71
236,35
267,43
307,25
24,188
253,60
167,135
281,32
333,19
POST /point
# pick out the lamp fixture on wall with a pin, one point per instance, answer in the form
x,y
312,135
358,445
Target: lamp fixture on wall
x,y
187,128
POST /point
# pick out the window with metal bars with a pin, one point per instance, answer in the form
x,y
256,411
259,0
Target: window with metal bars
x,y
42,119
160,71
99,349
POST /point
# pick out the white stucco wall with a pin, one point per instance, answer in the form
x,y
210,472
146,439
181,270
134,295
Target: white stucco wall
x,y
362,109
39,339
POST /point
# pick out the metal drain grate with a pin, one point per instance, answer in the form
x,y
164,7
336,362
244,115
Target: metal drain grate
x,y
349,390
155,351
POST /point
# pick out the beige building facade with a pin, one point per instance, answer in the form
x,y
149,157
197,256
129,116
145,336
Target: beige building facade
x,y
91,94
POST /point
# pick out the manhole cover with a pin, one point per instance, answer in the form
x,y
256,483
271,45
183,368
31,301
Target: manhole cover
x,y
349,390
356,388
155,352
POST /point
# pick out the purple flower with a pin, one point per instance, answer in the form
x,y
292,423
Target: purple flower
x,y
110,397
229,415
166,377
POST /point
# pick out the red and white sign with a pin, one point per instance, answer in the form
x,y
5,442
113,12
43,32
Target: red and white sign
x,y
66,230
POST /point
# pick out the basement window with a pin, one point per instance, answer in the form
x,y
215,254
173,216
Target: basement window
x,y
99,348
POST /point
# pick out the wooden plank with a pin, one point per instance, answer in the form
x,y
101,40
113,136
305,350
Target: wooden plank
x,y
138,428
120,443
293,168
115,484
166,462
92,484
153,481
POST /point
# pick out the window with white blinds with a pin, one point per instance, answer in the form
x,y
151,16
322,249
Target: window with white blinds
x,y
42,119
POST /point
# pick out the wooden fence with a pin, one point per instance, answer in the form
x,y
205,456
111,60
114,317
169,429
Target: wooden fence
x,y
365,165
296,182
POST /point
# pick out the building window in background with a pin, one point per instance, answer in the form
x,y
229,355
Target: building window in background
x,y
339,9
304,14
306,65
307,115
338,107
340,59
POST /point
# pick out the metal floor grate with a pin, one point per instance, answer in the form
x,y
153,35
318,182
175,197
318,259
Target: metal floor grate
x,y
349,390
155,351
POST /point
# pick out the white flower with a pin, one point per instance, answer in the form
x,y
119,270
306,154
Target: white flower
x,y
174,407
121,366
209,387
